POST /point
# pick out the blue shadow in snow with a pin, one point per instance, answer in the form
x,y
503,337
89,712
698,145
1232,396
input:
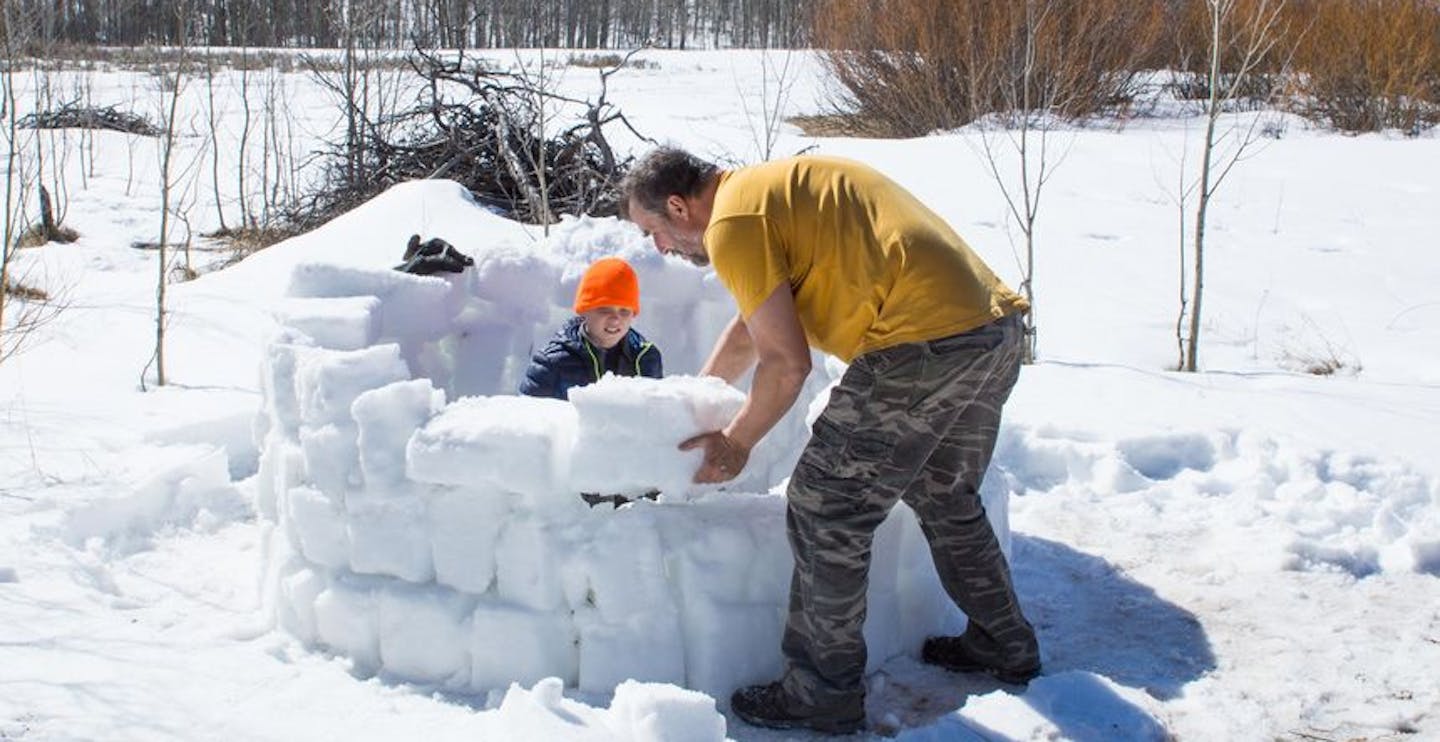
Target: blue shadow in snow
x,y
1092,617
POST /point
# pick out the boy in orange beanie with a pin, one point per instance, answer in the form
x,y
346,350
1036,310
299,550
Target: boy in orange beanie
x,y
599,339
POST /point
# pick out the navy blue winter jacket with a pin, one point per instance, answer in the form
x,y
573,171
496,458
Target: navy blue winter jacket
x,y
569,360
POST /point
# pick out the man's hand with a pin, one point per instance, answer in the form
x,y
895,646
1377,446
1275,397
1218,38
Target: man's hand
x,y
724,457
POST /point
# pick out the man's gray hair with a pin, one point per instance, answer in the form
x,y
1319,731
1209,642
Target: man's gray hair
x,y
660,174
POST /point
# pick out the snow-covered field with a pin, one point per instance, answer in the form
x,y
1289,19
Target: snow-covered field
x,y
1251,552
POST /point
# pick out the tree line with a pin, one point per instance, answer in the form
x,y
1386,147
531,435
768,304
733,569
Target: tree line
x,y
674,24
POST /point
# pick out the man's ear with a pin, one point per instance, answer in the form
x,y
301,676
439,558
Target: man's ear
x,y
675,206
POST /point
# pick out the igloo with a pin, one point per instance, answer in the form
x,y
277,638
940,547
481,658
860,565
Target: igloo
x,y
429,522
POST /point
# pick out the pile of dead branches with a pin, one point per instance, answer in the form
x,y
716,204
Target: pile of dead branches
x,y
72,116
487,129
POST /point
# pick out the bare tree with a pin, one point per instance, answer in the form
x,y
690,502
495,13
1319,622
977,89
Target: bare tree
x,y
1046,72
777,78
1242,38
171,87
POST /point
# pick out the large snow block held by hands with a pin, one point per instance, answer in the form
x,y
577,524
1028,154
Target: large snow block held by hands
x,y
513,444
630,428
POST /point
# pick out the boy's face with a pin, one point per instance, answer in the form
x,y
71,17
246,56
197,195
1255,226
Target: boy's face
x,y
606,326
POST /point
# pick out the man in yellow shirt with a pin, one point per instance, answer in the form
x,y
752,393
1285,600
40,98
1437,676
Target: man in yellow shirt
x,y
829,253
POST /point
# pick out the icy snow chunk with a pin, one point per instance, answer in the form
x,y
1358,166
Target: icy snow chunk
x,y
282,466
633,630
623,562
411,306
387,417
345,622
389,537
647,712
317,526
424,634
510,644
332,458
344,323
464,530
189,487
726,656
328,381
517,444
629,429
648,646
298,591
528,565
277,380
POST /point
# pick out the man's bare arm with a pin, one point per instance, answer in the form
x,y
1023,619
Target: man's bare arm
x,y
734,353
782,363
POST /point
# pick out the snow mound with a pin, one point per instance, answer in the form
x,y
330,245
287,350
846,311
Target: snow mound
x,y
1301,509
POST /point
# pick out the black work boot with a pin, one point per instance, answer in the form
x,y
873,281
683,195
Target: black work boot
x,y
769,706
950,653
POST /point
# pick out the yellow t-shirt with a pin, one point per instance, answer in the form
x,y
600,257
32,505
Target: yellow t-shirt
x,y
870,266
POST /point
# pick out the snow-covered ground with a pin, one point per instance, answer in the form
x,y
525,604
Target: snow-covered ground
x,y
1250,552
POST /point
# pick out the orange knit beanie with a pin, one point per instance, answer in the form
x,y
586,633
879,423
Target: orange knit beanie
x,y
608,282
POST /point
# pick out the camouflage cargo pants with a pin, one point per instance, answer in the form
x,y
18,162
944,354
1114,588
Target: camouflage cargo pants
x,y
918,423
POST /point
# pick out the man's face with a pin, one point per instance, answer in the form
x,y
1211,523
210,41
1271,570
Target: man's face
x,y
675,233
607,326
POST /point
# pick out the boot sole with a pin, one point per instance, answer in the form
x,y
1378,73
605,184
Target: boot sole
x,y
836,727
1004,676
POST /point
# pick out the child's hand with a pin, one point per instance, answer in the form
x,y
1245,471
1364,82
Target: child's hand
x,y
724,458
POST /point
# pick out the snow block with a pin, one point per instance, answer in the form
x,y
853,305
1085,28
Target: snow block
x,y
528,565
282,466
464,530
516,444
345,621
386,418
389,537
346,323
646,647
328,381
277,382
332,458
317,527
635,414
412,307
296,609
726,640
424,634
513,645
623,563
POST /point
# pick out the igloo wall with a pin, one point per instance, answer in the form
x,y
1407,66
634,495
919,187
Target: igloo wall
x,y
429,524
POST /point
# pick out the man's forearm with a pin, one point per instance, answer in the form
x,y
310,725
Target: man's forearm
x,y
733,355
774,389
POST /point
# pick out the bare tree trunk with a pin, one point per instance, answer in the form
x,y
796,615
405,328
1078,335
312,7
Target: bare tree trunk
x,y
1247,33
167,149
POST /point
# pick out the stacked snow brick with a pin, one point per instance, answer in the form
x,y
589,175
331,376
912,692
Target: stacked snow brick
x,y
429,525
